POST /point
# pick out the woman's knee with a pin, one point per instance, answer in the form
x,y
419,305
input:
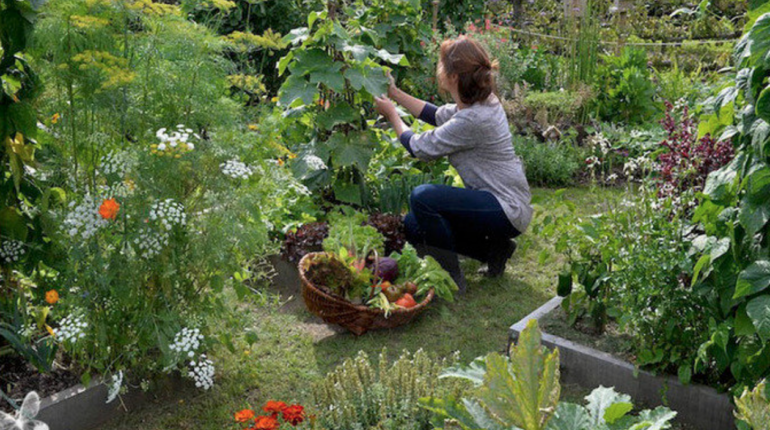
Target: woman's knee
x,y
423,196
412,229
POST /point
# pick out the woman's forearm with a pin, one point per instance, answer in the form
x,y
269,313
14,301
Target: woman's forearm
x,y
398,124
412,104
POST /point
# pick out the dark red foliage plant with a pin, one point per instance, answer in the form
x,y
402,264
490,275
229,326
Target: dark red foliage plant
x,y
688,160
391,227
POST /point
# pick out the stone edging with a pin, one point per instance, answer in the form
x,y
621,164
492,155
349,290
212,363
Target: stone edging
x,y
696,405
84,408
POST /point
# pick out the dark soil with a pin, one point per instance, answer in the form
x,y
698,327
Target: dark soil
x,y
17,378
611,341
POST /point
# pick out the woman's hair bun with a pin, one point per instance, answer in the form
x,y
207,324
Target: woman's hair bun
x,y
467,59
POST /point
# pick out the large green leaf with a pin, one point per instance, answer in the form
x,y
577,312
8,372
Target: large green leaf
x,y
762,107
449,408
331,77
525,390
372,80
312,60
753,406
599,402
347,192
743,324
758,310
297,91
13,224
570,416
399,59
474,372
340,113
753,279
755,43
656,419
353,149
721,184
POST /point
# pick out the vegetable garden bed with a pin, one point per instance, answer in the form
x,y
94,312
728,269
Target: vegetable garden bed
x,y
696,405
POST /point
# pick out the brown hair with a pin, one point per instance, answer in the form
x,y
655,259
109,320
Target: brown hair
x,y
467,59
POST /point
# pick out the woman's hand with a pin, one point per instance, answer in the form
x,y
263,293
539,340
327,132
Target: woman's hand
x,y
391,84
385,107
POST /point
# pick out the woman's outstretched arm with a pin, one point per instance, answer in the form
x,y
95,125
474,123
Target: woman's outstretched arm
x,y
418,108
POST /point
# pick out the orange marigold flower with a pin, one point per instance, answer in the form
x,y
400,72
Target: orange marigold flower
x,y
273,407
294,414
109,209
244,415
55,118
265,423
52,297
280,162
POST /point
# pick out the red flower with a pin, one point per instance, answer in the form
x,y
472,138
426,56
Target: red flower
x,y
472,28
274,408
422,43
244,415
487,24
534,47
265,423
294,414
109,209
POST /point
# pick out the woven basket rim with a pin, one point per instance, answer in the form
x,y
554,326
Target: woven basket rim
x,y
305,261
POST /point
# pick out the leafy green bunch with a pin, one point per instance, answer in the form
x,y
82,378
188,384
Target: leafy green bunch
x,y
334,73
623,87
733,271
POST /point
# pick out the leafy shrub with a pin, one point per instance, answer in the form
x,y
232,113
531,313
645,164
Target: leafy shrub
x,y
549,164
732,269
631,263
623,87
307,238
361,394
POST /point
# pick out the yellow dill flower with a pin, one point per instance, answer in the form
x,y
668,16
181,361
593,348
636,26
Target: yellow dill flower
x,y
114,69
154,8
88,22
253,127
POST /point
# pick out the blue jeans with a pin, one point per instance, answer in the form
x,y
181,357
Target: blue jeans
x,y
468,222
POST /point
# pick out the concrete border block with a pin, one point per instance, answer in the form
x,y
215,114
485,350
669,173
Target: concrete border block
x,y
696,405
84,408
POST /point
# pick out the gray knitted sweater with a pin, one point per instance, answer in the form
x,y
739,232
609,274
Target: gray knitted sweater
x,y
477,141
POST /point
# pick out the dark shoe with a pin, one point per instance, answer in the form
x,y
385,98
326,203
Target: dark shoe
x,y
448,260
498,258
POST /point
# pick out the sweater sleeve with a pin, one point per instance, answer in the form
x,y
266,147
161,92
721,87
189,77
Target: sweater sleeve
x,y
452,136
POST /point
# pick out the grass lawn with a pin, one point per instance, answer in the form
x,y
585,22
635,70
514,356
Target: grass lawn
x,y
286,360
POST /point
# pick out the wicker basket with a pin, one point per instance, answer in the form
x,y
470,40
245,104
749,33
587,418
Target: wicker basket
x,y
356,318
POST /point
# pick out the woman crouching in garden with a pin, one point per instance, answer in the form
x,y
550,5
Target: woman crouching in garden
x,y
480,220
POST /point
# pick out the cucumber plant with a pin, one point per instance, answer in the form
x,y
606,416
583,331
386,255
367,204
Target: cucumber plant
x,y
337,65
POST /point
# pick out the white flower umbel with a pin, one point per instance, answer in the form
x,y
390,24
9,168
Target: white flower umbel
x,y
115,163
168,213
187,342
71,329
117,383
315,163
83,219
236,169
175,142
150,243
11,251
202,372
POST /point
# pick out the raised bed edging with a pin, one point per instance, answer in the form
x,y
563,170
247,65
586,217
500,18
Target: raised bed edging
x,y
84,408
696,405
